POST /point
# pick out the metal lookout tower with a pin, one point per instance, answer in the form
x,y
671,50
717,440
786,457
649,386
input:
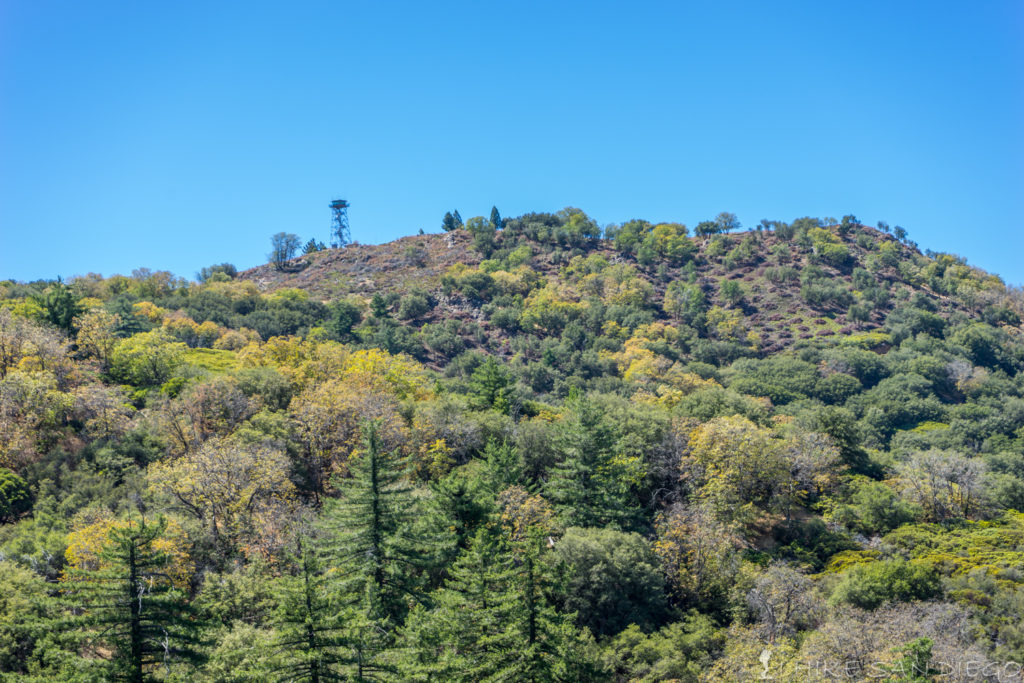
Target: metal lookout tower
x,y
340,235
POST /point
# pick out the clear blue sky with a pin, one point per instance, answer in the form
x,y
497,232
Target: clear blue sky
x,y
173,135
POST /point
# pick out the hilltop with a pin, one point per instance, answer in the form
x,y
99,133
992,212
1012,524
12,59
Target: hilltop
x,y
809,282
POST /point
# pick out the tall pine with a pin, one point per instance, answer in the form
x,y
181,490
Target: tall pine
x,y
377,556
127,604
590,485
493,622
311,625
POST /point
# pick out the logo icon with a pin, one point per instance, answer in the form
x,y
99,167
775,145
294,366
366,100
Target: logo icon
x,y
766,656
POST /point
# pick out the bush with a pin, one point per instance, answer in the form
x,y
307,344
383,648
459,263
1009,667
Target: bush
x,y
612,580
868,586
413,305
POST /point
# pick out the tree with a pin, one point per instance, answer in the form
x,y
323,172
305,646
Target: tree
x,y
346,316
707,228
732,292
490,386
283,246
236,490
783,601
146,359
457,218
219,272
448,222
492,621
591,484
849,223
60,305
945,484
312,246
15,496
737,465
370,534
915,664
870,585
484,233
496,219
97,334
612,580
727,222
129,604
310,625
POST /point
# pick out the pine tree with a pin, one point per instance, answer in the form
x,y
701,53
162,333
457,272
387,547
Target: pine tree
x,y
60,305
128,602
457,218
493,622
379,555
590,486
448,222
496,219
312,246
311,625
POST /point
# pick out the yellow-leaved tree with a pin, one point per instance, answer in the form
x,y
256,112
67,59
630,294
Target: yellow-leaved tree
x,y
240,493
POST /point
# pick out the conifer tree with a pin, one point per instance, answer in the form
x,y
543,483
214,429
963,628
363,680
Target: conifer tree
x,y
127,602
374,545
496,219
448,222
590,486
311,625
492,621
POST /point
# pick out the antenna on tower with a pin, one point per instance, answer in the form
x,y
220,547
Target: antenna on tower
x,y
340,235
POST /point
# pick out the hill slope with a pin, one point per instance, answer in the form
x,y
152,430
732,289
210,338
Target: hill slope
x,y
814,282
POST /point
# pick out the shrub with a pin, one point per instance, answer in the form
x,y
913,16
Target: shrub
x,y
868,586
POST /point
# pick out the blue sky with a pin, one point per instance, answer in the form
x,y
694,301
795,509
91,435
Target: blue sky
x,y
175,135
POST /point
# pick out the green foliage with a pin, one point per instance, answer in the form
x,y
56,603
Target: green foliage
x,y
128,604
283,246
612,580
875,508
491,387
870,585
210,273
60,305
370,534
15,496
311,626
649,438
681,651
492,621
146,359
592,484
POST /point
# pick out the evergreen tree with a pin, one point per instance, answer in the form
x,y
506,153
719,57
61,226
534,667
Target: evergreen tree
x,y
378,553
493,622
590,486
457,218
311,625
496,219
128,604
448,222
491,386
60,305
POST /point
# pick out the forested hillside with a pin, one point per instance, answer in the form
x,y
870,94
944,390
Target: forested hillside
x,y
525,449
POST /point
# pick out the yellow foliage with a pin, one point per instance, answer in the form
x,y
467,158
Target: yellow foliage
x,y
524,515
224,484
87,541
149,310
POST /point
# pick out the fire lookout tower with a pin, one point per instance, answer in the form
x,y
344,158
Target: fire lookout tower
x,y
340,235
